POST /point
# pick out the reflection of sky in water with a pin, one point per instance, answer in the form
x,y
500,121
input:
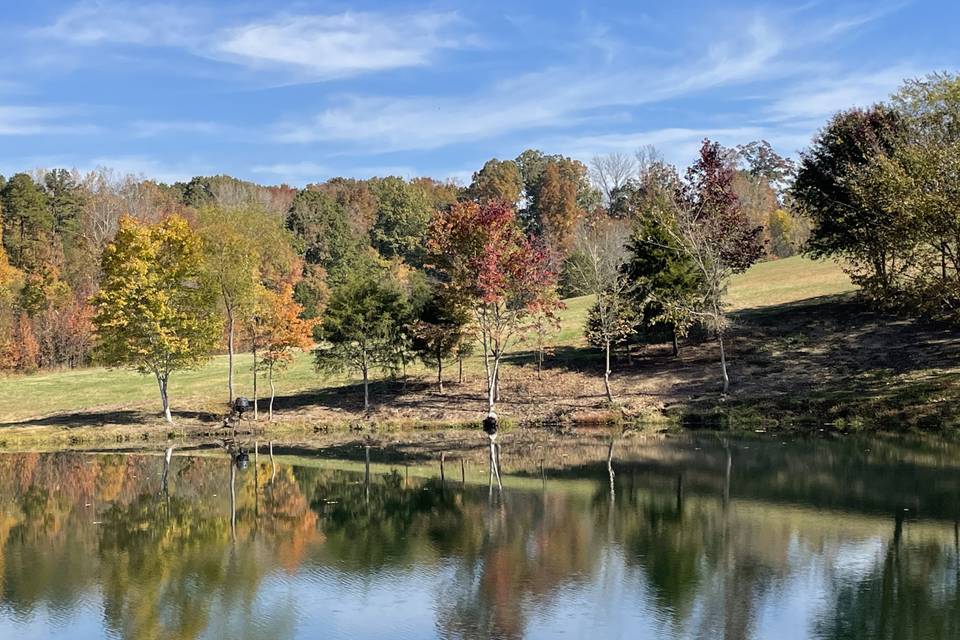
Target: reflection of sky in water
x,y
83,619
553,564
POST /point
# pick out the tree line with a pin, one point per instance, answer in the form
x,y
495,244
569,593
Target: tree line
x,y
374,275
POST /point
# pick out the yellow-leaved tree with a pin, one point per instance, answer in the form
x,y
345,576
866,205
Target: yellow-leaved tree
x,y
154,312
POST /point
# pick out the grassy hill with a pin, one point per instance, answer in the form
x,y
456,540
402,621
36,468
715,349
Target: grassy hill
x,y
72,391
800,348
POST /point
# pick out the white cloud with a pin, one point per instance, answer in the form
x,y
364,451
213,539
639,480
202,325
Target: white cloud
x,y
313,46
550,98
822,97
153,128
341,45
293,170
32,120
91,23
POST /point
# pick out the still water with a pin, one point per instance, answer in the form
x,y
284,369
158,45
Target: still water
x,y
698,538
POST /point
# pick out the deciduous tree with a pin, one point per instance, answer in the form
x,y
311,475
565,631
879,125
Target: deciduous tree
x,y
439,328
154,312
489,264
602,242
497,180
705,223
275,330
241,245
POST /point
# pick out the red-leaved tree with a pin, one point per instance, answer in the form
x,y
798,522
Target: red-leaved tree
x,y
489,263
705,223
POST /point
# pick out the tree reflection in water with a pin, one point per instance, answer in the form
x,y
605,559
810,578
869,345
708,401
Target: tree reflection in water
x,y
687,539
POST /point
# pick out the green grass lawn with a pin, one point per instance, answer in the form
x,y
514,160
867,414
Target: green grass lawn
x,y
787,280
204,389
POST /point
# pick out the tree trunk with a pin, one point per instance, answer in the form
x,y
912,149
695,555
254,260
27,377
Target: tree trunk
x,y
610,471
460,363
676,343
539,362
491,388
723,363
440,374
164,398
229,356
366,389
256,415
164,486
273,392
606,373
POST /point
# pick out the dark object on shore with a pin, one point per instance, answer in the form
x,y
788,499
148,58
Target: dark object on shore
x,y
241,459
491,425
240,404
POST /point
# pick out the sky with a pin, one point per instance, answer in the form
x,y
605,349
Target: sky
x,y
300,92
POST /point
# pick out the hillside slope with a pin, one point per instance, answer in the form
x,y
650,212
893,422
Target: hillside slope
x,y
801,350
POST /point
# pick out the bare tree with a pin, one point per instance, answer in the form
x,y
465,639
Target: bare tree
x,y
602,242
610,172
648,160
102,210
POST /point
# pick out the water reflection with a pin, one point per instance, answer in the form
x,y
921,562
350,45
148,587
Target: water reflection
x,y
691,539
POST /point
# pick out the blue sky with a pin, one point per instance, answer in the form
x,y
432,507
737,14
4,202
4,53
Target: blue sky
x,y
300,92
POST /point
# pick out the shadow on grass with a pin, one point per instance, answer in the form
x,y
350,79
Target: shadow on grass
x,y
125,417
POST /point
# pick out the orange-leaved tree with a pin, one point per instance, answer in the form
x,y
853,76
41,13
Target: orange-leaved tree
x,y
275,331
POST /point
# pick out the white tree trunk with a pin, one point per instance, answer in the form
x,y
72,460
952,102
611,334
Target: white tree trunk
x,y
606,373
164,398
440,374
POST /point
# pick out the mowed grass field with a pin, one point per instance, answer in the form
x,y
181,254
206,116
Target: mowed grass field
x,y
204,389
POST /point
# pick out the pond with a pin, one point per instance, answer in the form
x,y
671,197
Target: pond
x,y
696,537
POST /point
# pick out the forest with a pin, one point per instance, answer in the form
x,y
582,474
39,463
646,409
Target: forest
x,y
374,275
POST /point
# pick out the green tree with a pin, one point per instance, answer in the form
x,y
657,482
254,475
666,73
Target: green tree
x,y
322,229
28,222
241,246
919,184
153,311
832,189
658,270
403,215
439,328
360,325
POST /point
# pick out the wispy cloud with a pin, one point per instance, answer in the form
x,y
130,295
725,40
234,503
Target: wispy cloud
x,y
344,44
555,97
313,46
32,120
295,171
152,128
100,22
822,97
